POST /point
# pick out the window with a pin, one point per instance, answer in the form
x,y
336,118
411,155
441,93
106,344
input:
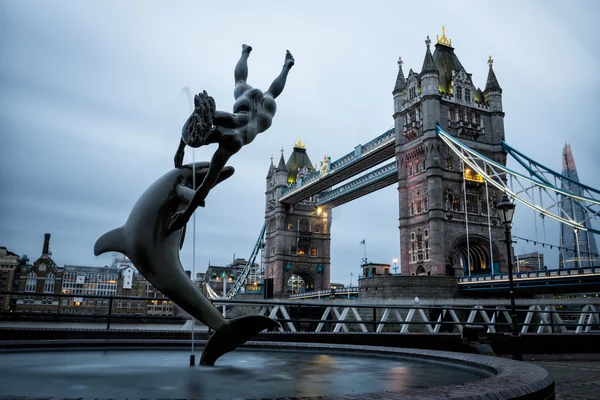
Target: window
x,y
416,166
459,93
413,116
290,226
425,204
412,236
302,250
272,251
419,207
31,282
293,250
411,209
317,228
426,233
467,95
448,163
484,207
451,114
304,225
49,284
313,252
412,93
472,206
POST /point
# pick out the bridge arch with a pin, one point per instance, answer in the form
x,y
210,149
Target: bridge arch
x,y
478,253
312,280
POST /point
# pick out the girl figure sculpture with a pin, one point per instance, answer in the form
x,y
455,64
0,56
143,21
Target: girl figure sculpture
x,y
253,113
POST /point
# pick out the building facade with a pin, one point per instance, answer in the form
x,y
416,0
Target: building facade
x,y
130,284
439,199
529,262
9,263
297,237
83,280
578,248
39,281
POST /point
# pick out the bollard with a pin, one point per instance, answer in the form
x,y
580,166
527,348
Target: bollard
x,y
110,303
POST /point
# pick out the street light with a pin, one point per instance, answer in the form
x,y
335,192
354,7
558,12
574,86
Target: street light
x,y
506,211
395,267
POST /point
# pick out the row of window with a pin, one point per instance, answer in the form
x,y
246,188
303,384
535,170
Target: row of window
x,y
303,251
31,300
415,167
418,205
412,116
304,226
412,92
458,92
31,283
300,251
419,246
474,204
455,115
94,286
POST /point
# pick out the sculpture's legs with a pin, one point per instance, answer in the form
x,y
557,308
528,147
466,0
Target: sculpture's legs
x,y
279,83
240,72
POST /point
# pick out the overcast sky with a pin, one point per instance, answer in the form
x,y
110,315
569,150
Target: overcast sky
x,y
92,104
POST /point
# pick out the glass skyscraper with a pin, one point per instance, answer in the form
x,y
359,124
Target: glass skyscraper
x,y
578,247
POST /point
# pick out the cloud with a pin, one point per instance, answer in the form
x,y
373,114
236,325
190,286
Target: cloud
x,y
91,105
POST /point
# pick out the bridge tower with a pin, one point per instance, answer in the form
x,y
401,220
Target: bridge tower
x,y
436,194
297,237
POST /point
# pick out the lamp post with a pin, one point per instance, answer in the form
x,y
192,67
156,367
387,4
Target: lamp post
x,y
395,266
506,211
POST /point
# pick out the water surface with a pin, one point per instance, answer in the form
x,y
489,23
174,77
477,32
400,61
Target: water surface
x,y
242,373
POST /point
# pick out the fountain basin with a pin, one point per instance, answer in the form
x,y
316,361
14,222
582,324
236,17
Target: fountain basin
x,y
269,370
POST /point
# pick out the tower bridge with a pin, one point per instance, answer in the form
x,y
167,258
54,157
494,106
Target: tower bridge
x,y
448,157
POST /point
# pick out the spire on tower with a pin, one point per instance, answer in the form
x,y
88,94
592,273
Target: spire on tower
x,y
281,165
492,82
428,63
400,81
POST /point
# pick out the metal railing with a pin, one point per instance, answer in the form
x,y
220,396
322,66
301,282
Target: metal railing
x,y
560,315
552,273
341,292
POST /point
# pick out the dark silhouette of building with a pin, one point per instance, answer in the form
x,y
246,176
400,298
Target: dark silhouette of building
x,y
578,248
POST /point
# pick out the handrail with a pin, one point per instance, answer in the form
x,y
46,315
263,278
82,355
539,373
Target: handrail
x,y
532,274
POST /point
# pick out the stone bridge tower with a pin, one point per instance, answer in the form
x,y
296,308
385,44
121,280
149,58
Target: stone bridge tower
x,y
436,194
297,237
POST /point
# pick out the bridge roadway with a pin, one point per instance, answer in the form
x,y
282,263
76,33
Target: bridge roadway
x,y
568,280
361,159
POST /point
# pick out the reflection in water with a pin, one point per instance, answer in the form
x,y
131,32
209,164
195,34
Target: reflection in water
x,y
399,378
243,373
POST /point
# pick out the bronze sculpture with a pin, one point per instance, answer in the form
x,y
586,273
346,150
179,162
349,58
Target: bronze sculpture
x,y
155,229
252,114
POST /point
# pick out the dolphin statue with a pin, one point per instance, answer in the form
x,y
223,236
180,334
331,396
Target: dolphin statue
x,y
154,250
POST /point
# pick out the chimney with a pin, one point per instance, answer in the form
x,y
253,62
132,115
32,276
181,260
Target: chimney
x,y
46,249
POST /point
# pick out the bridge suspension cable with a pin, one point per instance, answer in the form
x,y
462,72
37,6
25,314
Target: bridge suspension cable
x,y
498,175
243,276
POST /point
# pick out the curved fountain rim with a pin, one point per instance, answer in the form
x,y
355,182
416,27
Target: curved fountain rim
x,y
510,379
